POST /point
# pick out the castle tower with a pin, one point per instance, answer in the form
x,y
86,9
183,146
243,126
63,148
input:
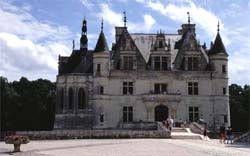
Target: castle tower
x,y
219,61
101,56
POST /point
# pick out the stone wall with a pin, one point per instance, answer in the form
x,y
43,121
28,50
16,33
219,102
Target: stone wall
x,y
93,134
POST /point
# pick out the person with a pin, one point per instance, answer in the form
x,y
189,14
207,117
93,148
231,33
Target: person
x,y
229,135
222,134
170,123
205,133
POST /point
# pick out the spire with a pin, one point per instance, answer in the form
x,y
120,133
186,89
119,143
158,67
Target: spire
x,y
102,25
124,18
84,39
218,46
188,17
73,42
84,26
101,44
218,27
188,20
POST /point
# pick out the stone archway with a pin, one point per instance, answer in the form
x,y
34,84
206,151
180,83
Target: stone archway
x,y
161,113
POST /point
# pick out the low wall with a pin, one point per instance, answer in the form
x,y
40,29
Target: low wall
x,y
92,134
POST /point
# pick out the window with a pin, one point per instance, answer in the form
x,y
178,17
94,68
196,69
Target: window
x,y
192,88
164,63
224,69
224,91
160,88
101,90
128,62
81,99
127,114
157,63
61,96
160,63
193,114
101,118
71,98
225,118
160,44
127,88
192,63
98,67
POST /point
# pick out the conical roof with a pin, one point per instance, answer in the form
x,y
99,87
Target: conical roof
x,y
101,43
218,46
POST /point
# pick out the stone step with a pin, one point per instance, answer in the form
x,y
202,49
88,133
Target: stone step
x,y
185,135
177,129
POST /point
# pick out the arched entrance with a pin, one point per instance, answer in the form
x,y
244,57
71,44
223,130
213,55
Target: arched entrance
x,y
161,113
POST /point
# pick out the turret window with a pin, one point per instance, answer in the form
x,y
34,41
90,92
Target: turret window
x,y
224,69
224,91
101,118
101,90
98,67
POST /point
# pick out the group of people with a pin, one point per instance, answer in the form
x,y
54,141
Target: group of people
x,y
226,135
169,123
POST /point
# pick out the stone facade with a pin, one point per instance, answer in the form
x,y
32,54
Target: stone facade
x,y
144,78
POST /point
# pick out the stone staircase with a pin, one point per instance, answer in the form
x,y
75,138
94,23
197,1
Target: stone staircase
x,y
184,133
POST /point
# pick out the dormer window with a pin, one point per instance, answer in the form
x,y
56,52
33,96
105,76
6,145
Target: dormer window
x,y
128,62
160,44
160,63
192,63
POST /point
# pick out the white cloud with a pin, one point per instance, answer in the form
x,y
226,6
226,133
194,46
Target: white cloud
x,y
110,16
116,19
20,55
28,45
88,4
206,20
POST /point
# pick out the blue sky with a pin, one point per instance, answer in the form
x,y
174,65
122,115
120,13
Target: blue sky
x,y
33,33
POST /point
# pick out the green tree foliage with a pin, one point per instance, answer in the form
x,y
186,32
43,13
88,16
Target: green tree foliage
x,y
27,105
239,107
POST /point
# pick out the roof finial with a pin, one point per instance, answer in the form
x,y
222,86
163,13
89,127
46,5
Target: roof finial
x,y
218,26
102,25
125,18
73,44
188,17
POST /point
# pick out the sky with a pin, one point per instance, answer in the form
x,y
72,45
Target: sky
x,y
33,33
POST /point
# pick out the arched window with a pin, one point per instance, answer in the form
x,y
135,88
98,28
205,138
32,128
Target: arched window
x,y
71,98
81,99
61,98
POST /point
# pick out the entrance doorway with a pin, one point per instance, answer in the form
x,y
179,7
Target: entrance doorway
x,y
161,113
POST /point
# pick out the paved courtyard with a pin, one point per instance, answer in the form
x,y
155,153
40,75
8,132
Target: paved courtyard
x,y
127,147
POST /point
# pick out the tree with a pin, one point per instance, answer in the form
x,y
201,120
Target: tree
x,y
239,106
27,105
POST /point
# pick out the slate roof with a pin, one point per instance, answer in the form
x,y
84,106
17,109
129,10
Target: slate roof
x,y
144,43
101,44
218,46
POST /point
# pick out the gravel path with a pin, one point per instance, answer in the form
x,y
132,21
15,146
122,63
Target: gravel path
x,y
127,147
